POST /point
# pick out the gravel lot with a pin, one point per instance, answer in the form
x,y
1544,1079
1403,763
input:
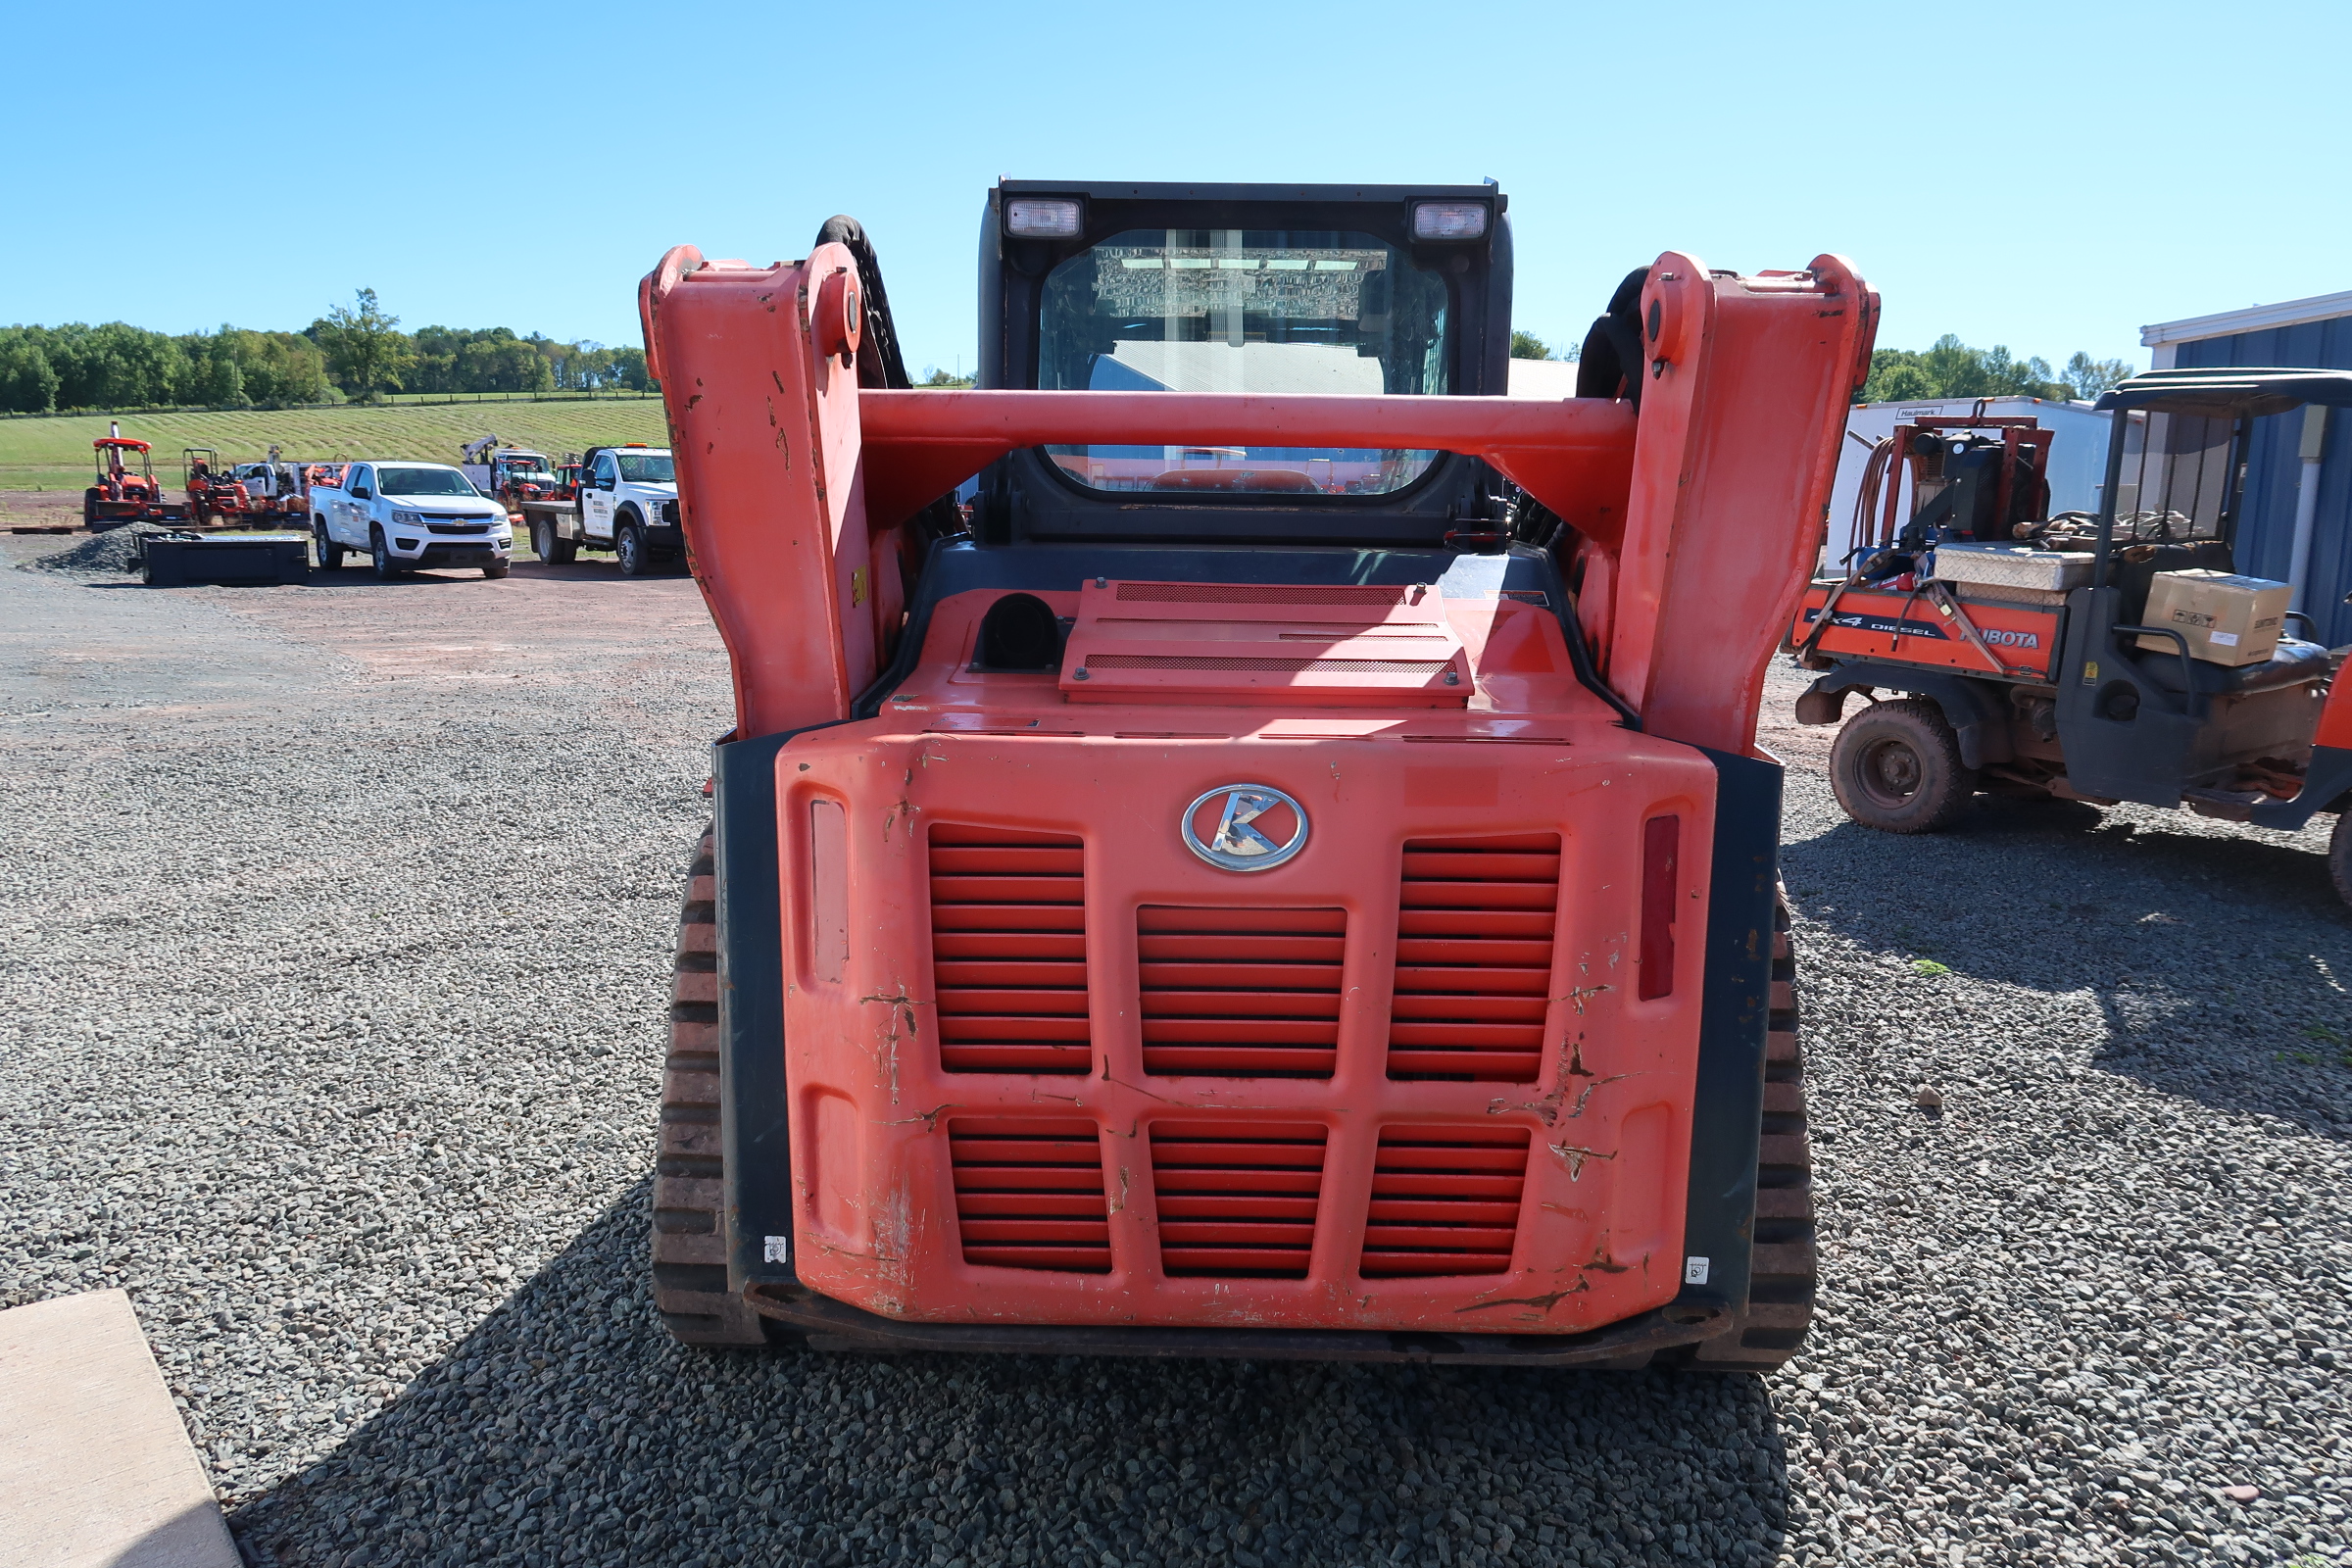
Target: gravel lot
x,y
337,925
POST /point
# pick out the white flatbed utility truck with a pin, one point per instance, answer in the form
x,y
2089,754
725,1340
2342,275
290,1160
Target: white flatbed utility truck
x,y
627,503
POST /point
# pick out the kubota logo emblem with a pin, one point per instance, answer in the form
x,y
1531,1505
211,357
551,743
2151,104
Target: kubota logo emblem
x,y
1240,817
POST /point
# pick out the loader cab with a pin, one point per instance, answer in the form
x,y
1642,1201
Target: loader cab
x,y
1184,289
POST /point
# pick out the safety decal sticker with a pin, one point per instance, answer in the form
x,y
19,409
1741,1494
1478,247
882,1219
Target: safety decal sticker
x,y
1694,1270
780,1249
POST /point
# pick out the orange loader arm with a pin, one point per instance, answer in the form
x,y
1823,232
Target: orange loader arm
x,y
1700,513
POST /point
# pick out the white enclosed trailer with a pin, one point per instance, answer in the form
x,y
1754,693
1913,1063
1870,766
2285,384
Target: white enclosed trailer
x,y
2078,456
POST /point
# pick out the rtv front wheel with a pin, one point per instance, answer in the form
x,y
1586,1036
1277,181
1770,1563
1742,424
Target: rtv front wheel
x,y
1896,767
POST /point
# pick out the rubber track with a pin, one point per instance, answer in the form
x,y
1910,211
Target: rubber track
x,y
690,1259
1785,1264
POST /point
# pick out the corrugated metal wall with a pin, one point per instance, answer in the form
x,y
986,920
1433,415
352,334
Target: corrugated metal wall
x,y
2266,535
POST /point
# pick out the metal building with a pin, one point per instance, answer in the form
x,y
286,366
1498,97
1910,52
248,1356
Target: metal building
x,y
2296,524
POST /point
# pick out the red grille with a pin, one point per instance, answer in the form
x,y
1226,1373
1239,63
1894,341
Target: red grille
x,y
1241,993
1188,592
1474,932
1444,1200
1029,1194
1008,950
1237,1199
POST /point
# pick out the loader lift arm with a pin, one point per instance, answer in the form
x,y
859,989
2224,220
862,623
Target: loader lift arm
x,y
1701,511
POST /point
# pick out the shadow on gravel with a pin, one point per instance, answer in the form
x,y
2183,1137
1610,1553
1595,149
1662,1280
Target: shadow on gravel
x,y
567,1429
2220,960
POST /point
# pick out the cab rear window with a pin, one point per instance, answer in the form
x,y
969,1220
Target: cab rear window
x,y
1243,311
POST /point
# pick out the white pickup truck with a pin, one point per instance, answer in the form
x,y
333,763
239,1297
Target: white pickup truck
x,y
407,516
627,503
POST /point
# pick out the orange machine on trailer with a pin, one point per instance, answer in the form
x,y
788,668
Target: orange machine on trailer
x,y
124,488
213,490
1288,925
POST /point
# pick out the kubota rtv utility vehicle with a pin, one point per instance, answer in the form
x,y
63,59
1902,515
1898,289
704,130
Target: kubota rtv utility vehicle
x,y
1297,877
2024,643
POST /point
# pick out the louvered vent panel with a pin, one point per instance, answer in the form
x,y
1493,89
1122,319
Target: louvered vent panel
x,y
1029,1194
1237,1199
1444,1200
1008,950
1241,993
1474,936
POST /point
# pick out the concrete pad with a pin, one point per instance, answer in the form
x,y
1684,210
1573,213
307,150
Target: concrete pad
x,y
95,1467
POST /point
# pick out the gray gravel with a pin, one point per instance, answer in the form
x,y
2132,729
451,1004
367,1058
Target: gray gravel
x,y
114,549
336,927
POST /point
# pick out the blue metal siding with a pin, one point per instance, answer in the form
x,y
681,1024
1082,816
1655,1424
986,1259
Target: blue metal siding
x,y
2266,535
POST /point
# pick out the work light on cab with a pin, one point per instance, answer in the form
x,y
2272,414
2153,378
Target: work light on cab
x,y
1450,220
1042,219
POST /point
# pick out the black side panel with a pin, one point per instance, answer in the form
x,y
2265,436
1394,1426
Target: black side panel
x,y
1728,1114
754,1134
2125,739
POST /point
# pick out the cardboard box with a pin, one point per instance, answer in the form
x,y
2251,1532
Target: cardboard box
x,y
2227,620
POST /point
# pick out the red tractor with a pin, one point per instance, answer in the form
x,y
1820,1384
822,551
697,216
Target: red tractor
x,y
124,488
214,492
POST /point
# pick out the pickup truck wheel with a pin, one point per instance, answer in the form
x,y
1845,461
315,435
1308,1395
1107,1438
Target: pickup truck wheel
x,y
628,546
1896,767
543,539
330,554
495,569
380,555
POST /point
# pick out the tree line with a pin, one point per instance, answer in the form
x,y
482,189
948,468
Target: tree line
x,y
1945,368
355,353
1950,368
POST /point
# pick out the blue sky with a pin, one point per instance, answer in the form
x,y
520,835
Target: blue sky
x,y
2047,176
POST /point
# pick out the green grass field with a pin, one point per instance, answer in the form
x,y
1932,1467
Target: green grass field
x,y
54,454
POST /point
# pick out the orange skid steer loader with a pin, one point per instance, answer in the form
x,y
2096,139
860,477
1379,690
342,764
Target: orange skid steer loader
x,y
1326,910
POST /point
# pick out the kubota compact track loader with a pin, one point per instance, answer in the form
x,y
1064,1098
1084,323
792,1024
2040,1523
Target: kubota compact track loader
x,y
1297,877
